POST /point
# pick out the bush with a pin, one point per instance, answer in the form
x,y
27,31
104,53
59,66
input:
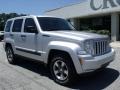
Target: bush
x,y
103,32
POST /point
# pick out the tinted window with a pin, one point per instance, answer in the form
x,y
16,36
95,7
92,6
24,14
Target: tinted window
x,y
8,25
29,26
17,25
54,24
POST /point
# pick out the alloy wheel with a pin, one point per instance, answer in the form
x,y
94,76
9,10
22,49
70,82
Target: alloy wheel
x,y
60,70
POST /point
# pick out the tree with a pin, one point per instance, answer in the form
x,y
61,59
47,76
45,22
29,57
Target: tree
x,y
4,17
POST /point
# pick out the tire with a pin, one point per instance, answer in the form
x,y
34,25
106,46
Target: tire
x,y
62,70
10,55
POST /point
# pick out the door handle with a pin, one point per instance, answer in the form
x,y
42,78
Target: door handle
x,y
23,35
11,35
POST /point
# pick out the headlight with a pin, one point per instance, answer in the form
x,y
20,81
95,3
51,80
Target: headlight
x,y
88,45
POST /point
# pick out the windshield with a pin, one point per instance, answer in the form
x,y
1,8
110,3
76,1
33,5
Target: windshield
x,y
54,24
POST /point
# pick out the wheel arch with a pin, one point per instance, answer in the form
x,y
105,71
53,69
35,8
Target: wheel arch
x,y
66,47
8,45
58,52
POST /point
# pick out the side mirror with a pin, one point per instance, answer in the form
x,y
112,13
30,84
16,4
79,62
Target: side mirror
x,y
32,29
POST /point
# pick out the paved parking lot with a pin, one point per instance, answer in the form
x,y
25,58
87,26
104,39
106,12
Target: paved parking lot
x,y
33,76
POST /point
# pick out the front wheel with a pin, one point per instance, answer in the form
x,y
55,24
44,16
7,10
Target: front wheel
x,y
62,70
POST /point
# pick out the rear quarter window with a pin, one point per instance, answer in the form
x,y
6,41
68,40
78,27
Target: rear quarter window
x,y
8,26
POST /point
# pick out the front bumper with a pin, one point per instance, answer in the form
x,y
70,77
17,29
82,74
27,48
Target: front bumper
x,y
90,64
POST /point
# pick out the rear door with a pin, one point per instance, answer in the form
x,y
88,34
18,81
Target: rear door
x,y
16,33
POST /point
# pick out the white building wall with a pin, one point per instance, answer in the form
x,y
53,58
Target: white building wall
x,y
84,9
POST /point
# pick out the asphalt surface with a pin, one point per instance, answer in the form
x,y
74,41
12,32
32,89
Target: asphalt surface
x,y
27,75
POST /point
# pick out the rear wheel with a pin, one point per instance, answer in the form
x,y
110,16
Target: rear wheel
x,y
62,69
10,55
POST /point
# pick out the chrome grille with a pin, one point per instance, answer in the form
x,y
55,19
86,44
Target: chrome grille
x,y
101,47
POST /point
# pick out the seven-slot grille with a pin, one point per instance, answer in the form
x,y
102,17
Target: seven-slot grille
x,y
101,47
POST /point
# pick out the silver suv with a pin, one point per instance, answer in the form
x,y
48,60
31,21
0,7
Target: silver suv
x,y
56,43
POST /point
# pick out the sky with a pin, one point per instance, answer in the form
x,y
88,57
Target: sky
x,y
34,7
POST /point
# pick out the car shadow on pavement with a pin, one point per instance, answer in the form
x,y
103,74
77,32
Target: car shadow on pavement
x,y
36,67
95,81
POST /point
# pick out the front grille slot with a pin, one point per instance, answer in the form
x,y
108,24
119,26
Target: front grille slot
x,y
101,47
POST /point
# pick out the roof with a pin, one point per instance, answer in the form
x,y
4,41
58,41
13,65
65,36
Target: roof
x,y
32,16
81,10
65,6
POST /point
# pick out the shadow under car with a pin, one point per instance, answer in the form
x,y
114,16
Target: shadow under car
x,y
97,81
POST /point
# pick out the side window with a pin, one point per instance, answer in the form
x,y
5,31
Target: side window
x,y
17,25
30,26
8,26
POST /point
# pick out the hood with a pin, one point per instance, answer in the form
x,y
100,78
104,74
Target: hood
x,y
77,35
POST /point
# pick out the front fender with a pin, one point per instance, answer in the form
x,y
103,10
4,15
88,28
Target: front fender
x,y
70,48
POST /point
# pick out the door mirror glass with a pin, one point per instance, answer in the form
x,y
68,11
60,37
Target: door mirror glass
x,y
31,29
30,26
